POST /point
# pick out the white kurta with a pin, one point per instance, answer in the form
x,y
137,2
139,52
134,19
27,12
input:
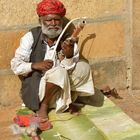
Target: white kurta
x,y
69,74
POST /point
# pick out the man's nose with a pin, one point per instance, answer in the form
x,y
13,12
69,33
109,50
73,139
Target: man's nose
x,y
53,22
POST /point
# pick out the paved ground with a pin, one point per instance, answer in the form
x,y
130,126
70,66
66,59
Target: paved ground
x,y
6,116
130,104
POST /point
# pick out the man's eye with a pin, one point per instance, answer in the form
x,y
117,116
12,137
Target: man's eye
x,y
48,20
57,19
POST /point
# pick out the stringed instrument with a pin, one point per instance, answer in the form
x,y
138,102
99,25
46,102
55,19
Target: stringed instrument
x,y
72,39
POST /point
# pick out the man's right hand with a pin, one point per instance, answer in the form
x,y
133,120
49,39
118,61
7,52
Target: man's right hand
x,y
42,66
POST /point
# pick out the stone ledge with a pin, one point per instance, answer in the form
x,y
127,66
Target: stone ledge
x,y
111,72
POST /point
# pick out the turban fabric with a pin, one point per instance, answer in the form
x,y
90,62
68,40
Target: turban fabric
x,y
46,7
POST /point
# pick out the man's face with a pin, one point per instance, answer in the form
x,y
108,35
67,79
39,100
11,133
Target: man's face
x,y
51,25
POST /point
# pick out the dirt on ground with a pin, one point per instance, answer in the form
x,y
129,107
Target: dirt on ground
x,y
129,103
7,114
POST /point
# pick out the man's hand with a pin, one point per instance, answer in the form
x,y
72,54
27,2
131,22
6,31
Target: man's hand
x,y
42,66
68,48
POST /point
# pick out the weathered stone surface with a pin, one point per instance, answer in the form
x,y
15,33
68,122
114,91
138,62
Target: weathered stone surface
x,y
136,45
102,40
136,68
94,8
136,19
110,73
18,13
9,41
9,90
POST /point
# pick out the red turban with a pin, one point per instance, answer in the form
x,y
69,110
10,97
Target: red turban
x,y
46,7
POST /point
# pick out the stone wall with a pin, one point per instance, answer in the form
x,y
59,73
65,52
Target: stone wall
x,y
106,43
136,46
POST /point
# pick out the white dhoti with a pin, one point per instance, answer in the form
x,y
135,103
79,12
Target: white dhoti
x,y
78,80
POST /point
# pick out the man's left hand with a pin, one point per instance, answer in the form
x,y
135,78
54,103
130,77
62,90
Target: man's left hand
x,y
68,48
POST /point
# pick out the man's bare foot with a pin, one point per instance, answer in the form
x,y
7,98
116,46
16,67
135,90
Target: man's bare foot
x,y
74,109
41,123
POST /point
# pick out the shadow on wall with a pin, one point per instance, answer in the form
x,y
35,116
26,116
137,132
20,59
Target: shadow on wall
x,y
89,37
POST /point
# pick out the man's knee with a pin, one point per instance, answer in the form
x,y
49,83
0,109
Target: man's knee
x,y
51,85
56,73
82,68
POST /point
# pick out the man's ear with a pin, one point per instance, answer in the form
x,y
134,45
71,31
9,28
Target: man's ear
x,y
39,20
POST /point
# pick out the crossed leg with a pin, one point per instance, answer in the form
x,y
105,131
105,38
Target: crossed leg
x,y
42,113
50,91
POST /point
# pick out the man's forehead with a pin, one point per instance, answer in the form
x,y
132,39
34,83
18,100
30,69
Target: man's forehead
x,y
51,16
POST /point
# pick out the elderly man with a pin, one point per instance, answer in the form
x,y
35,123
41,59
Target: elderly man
x,y
50,82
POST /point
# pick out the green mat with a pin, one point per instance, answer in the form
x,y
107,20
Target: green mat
x,y
107,122
69,127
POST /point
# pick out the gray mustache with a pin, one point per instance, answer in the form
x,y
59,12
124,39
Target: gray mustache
x,y
53,27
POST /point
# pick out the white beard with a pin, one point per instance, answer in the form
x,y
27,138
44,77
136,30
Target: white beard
x,y
50,31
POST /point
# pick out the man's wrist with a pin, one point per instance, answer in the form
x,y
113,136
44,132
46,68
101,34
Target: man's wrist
x,y
32,66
